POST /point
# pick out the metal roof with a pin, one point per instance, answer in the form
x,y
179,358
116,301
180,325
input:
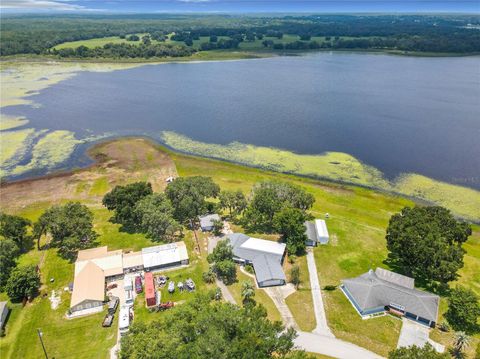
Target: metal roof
x,y
396,278
310,231
89,284
321,227
370,291
266,256
164,254
207,220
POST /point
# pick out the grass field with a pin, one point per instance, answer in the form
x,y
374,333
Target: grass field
x,y
358,218
97,42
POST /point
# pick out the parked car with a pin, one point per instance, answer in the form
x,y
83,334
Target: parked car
x,y
171,287
138,284
113,304
129,297
180,286
108,320
111,286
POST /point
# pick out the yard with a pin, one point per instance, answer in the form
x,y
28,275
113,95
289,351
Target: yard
x,y
358,218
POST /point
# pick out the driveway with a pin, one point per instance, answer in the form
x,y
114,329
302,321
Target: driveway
x,y
413,333
278,298
336,348
319,309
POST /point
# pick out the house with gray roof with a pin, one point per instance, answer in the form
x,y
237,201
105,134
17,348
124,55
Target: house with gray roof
x,y
207,221
376,292
316,232
266,257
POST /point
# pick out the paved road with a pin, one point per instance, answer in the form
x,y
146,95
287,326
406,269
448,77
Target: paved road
x,y
322,325
326,345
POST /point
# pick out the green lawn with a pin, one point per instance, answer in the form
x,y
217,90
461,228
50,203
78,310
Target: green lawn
x,y
97,42
260,296
300,303
358,218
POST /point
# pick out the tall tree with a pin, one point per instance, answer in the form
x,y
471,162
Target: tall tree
x,y
188,196
463,310
223,264
427,242
8,255
270,197
123,199
23,283
206,329
289,223
70,227
234,201
155,213
15,228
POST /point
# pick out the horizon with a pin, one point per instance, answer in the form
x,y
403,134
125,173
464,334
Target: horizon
x,y
115,7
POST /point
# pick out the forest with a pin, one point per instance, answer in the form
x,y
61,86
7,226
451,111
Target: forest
x,y
37,34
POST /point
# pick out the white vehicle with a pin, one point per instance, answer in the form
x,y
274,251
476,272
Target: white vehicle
x,y
124,319
128,284
129,297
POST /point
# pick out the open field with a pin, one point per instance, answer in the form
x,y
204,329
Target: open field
x,y
357,226
97,42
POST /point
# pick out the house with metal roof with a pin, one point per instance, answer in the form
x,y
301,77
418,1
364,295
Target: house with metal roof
x,y
165,255
207,221
88,290
266,257
316,232
380,291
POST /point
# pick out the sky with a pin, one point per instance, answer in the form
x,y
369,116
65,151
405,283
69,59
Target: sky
x,y
238,6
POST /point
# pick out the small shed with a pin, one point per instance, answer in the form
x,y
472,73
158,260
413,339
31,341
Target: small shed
x,y
316,232
150,297
207,221
3,313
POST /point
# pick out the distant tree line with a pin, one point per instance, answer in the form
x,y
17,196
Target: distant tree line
x,y
440,33
144,50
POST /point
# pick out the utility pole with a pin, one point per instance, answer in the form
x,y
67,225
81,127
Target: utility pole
x,y
40,336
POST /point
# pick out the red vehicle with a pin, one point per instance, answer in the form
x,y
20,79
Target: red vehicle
x,y
165,306
111,286
150,295
138,284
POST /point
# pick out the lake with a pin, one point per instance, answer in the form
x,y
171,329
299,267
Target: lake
x,y
398,114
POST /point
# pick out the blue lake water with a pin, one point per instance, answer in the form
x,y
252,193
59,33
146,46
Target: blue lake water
x,y
398,114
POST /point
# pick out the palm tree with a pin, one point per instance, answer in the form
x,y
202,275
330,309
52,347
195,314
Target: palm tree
x,y
248,291
462,341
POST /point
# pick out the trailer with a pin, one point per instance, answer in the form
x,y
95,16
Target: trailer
x,y
124,319
150,293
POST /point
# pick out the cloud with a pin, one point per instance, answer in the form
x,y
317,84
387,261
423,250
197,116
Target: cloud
x,y
61,5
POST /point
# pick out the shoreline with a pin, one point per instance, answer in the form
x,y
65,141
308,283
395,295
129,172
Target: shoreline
x,y
96,161
223,56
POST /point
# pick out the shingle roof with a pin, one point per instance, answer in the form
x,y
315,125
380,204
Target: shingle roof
x,y
266,259
369,291
207,220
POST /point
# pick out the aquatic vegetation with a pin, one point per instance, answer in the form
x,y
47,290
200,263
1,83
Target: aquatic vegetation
x,y
13,145
330,165
7,123
51,150
335,166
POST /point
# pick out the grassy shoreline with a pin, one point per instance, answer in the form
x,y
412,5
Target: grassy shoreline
x,y
358,218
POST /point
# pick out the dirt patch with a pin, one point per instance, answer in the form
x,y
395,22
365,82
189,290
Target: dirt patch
x,y
118,161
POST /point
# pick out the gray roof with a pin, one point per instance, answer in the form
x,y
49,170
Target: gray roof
x,y
370,291
396,278
267,265
310,231
3,306
207,220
